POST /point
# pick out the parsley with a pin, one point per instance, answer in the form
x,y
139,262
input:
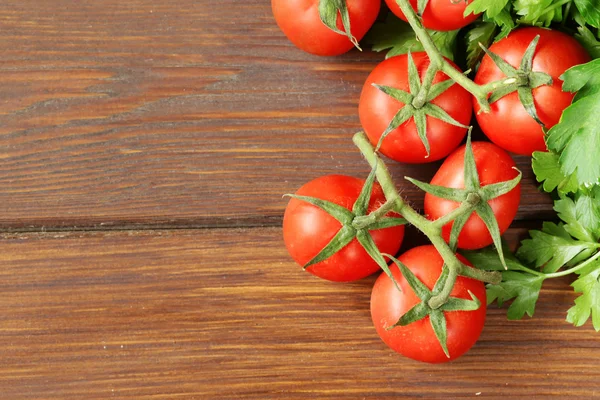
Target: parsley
x,y
480,33
397,37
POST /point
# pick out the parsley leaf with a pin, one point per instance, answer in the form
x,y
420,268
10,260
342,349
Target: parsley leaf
x,y
504,20
537,12
552,247
518,282
490,7
397,37
577,136
589,41
546,167
582,217
481,32
588,284
590,11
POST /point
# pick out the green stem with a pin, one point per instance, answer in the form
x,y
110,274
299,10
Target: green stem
x,y
493,277
455,267
437,59
575,268
363,221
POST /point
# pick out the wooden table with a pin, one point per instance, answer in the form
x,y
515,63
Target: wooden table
x,y
144,149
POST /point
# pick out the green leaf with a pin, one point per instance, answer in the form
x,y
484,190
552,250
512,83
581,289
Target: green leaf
x,y
577,139
339,241
590,11
552,247
487,259
397,37
504,20
581,217
547,170
588,284
481,33
438,323
537,12
490,7
328,12
583,79
524,288
589,41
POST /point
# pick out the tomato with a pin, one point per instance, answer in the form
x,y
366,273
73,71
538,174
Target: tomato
x,y
418,340
376,109
439,15
307,229
301,23
493,165
508,124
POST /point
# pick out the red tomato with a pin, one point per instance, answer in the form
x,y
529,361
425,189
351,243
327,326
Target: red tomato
x,y
508,124
376,109
301,23
307,229
439,15
493,165
417,340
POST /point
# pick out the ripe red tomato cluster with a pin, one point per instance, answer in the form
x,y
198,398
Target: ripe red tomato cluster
x,y
308,229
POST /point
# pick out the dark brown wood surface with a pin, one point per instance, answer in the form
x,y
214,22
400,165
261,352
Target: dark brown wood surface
x,y
129,131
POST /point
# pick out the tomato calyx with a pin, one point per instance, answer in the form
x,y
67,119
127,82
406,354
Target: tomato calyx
x,y
473,198
356,223
437,316
328,12
416,105
522,80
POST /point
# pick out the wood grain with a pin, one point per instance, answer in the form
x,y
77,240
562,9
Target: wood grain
x,y
145,113
224,314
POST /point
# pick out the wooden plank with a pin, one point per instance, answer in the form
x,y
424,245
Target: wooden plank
x,y
141,113
224,314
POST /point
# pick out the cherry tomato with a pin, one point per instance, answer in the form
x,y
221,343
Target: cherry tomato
x,y
439,15
493,165
376,109
301,23
508,124
307,229
418,340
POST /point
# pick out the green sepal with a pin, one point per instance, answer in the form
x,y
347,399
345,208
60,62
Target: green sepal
x,y
342,214
387,222
457,304
527,60
398,94
438,89
439,113
537,79
439,191
438,323
470,167
457,226
339,241
421,5
494,190
416,313
403,115
439,284
505,67
328,12
361,204
503,91
486,214
414,80
366,241
526,98
421,123
415,284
